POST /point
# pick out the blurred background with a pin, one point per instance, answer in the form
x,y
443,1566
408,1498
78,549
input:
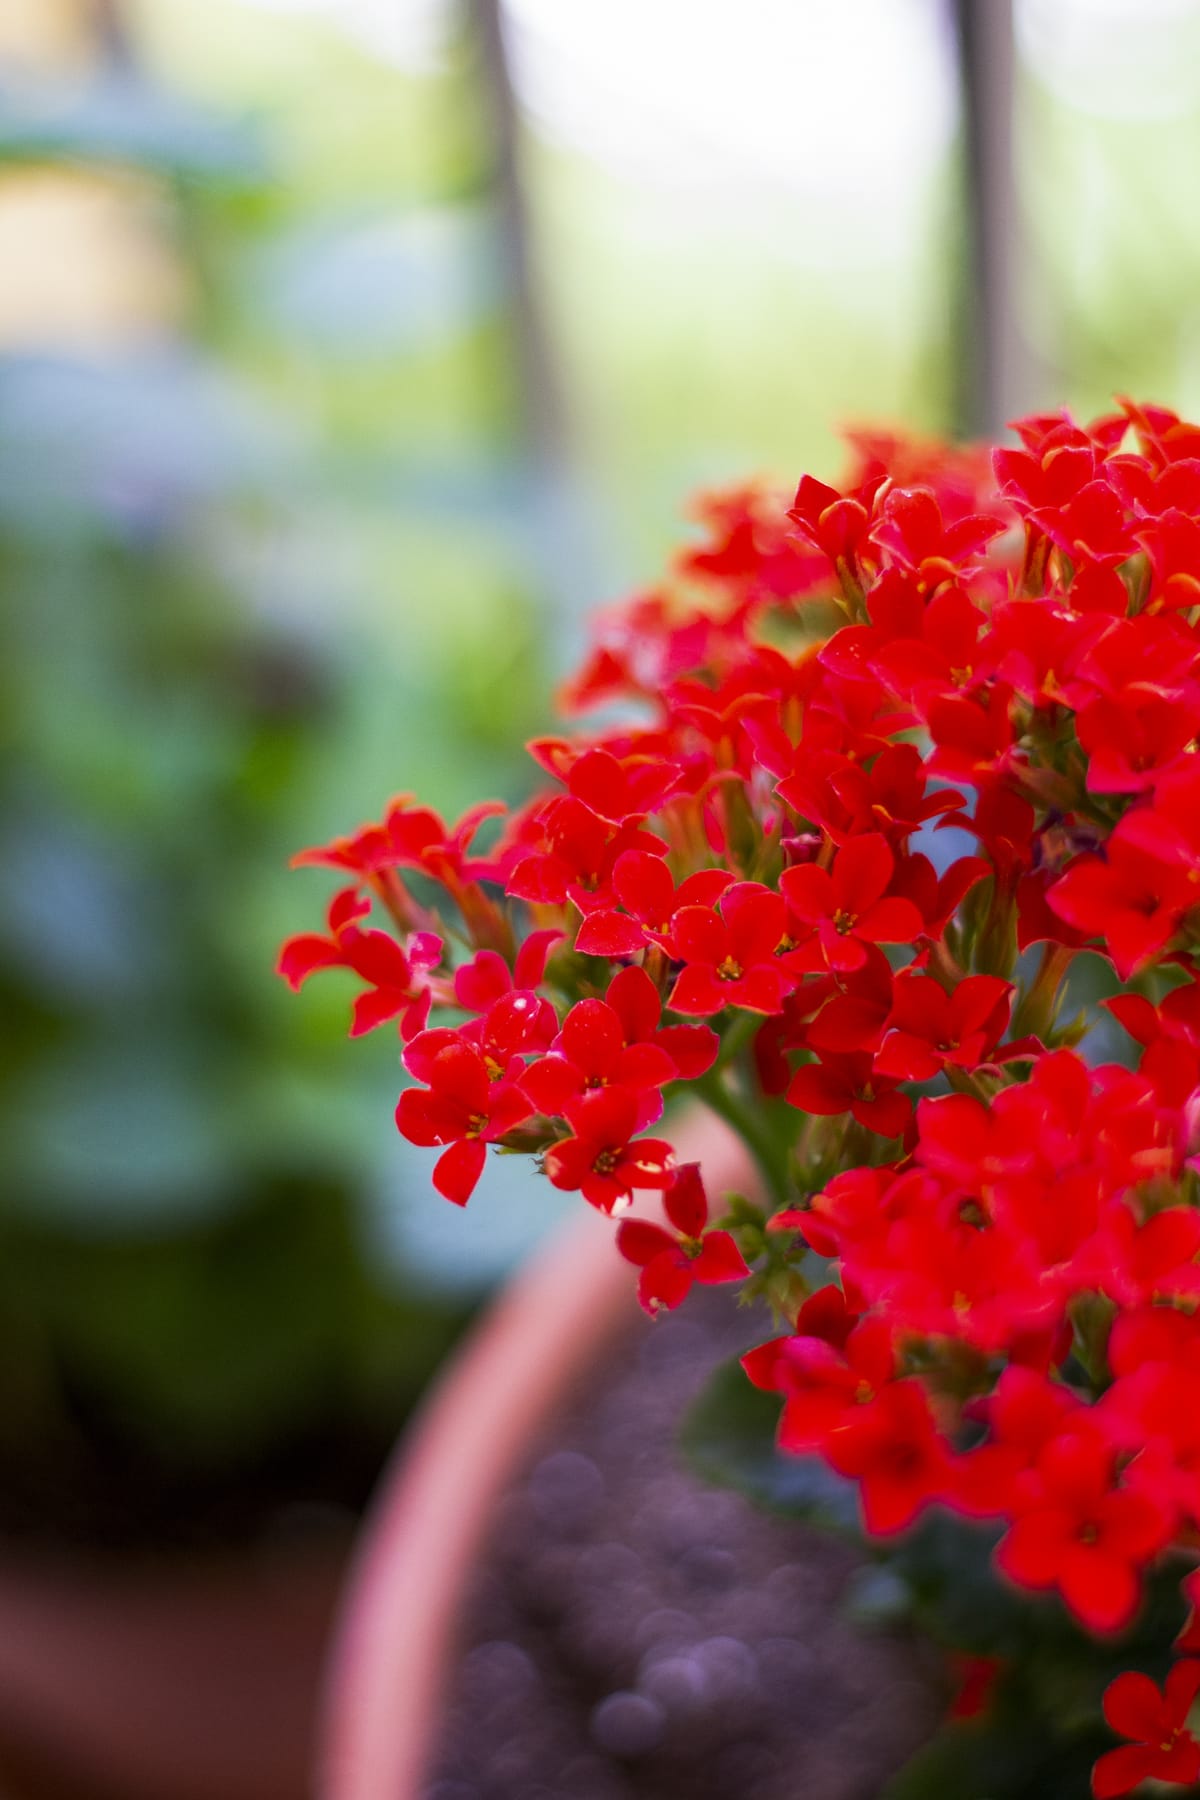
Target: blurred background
x,y
350,349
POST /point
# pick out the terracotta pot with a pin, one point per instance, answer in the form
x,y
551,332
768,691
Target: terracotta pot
x,y
396,1634
169,1679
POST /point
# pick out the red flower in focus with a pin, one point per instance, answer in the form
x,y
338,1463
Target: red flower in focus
x,y
840,1084
732,957
642,884
671,1261
600,1160
461,1108
848,908
590,1053
1163,1749
929,1027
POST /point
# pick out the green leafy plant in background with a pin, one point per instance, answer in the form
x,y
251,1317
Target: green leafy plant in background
x,y
195,1321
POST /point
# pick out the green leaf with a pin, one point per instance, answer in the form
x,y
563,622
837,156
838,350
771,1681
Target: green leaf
x,y
729,1438
1008,1756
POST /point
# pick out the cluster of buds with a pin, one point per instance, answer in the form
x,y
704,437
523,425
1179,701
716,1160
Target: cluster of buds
x,y
887,763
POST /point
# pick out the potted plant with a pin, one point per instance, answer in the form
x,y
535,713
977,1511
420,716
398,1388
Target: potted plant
x,y
891,859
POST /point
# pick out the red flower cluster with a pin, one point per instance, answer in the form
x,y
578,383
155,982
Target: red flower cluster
x,y
756,885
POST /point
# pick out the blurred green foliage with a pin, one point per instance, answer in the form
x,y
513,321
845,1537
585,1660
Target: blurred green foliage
x,y
248,577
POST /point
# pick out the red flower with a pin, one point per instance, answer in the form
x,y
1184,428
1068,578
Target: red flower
x,y
600,1160
642,884
847,909
461,1108
1131,901
731,956
398,983
929,1027
1163,1749
839,1084
1084,1535
893,1449
591,1052
824,1377
671,1261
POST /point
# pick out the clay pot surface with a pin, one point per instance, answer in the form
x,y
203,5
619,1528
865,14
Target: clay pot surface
x,y
169,1678
426,1527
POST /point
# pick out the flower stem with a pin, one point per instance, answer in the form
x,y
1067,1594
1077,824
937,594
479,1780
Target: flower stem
x,y
770,1156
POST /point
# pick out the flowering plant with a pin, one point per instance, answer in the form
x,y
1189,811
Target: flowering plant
x,y
899,774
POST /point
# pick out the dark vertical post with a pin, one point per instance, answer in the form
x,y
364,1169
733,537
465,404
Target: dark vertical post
x,y
993,380
540,398
562,541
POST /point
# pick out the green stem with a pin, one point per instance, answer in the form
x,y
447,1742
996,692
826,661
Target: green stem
x,y
770,1156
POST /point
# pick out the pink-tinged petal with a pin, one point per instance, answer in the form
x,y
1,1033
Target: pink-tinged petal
x,y
685,1202
692,1048
481,981
697,990
890,921
861,872
640,1241
458,1169
376,1007
425,950
719,1260
609,933
301,956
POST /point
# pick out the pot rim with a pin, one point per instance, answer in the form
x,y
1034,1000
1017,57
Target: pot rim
x,y
394,1639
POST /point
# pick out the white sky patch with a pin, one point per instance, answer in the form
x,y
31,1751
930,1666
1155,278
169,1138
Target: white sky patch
x,y
843,108
1119,59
